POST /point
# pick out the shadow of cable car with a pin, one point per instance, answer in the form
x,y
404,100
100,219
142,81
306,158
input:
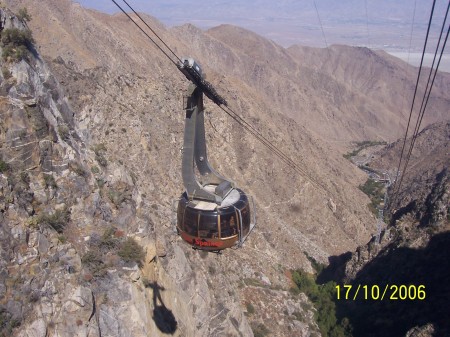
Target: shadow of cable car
x,y
164,318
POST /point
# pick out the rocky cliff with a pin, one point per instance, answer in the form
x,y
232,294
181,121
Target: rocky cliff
x,y
88,247
412,250
91,135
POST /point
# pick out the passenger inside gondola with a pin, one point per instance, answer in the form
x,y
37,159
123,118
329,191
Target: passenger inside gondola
x,y
208,226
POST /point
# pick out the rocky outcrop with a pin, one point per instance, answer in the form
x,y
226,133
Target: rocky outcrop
x,y
95,117
410,252
74,223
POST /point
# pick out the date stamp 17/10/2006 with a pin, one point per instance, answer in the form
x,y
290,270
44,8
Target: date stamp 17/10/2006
x,y
391,292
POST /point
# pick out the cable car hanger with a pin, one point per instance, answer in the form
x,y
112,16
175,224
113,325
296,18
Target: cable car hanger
x,y
212,214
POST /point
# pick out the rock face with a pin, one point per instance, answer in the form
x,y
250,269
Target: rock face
x,y
424,191
75,217
90,139
412,250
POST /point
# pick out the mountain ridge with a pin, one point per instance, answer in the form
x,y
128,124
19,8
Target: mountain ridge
x,y
126,104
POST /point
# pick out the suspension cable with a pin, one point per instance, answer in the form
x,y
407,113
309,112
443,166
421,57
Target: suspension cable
x,y
272,148
367,23
321,26
137,14
425,99
143,31
395,188
423,111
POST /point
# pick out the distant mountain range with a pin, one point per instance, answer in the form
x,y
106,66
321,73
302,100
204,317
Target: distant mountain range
x,y
91,139
376,24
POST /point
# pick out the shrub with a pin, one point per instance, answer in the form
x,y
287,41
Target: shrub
x,y
16,43
62,239
23,14
119,194
16,37
130,251
100,182
361,146
91,257
64,132
25,178
4,167
317,266
108,239
99,151
58,220
260,330
6,73
250,308
35,296
93,260
7,323
50,181
323,297
375,191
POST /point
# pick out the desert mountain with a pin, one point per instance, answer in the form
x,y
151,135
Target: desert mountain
x,y
109,107
341,93
424,190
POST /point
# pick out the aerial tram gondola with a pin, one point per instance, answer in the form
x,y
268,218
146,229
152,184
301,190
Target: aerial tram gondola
x,y
212,214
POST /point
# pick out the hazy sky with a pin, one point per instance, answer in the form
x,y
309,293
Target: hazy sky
x,y
379,24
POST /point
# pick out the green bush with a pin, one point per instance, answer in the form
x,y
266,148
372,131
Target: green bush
x,y
375,191
64,132
250,308
95,170
323,297
17,37
361,146
21,52
100,182
7,323
4,167
119,194
130,251
76,167
94,262
25,178
16,43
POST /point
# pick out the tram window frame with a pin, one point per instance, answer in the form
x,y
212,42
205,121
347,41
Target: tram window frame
x,y
225,227
180,217
246,219
208,226
190,222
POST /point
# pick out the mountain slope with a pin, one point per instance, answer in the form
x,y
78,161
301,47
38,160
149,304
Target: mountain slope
x,y
126,103
341,93
412,253
426,175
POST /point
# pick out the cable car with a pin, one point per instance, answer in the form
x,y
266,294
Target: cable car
x,y
209,226
212,214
